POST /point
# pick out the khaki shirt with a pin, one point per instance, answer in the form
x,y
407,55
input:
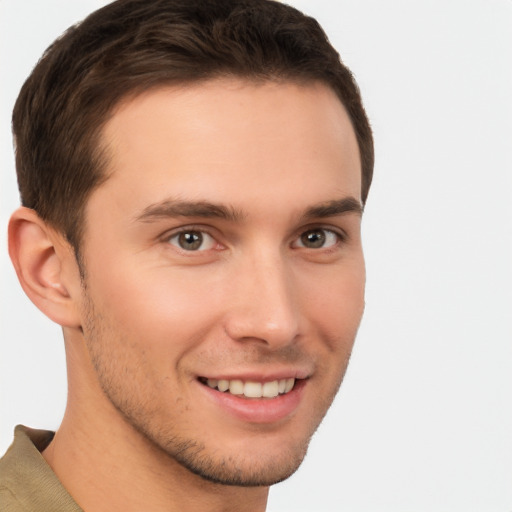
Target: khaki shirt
x,y
27,483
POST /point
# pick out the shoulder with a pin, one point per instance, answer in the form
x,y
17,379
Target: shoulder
x,y
27,483
8,478
8,501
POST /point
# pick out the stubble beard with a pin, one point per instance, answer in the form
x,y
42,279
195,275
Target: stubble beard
x,y
142,415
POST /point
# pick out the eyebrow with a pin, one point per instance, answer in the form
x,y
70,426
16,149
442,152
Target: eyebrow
x,y
177,208
205,209
334,208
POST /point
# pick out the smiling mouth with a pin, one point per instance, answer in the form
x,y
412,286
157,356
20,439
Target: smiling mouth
x,y
251,389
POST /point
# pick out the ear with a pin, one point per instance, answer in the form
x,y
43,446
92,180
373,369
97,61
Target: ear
x,y
46,267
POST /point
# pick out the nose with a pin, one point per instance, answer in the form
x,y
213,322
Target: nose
x,y
264,307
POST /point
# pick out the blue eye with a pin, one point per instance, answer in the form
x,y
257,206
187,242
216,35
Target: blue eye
x,y
318,238
192,240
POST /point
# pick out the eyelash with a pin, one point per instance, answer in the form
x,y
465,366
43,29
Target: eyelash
x,y
190,229
340,237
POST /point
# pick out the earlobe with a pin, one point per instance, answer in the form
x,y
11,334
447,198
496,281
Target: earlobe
x,y
42,260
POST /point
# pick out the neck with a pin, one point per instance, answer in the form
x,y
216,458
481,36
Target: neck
x,y
105,464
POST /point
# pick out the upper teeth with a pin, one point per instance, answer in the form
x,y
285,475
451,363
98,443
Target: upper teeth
x,y
253,389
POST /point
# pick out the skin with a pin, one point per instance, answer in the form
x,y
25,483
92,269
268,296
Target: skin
x,y
255,300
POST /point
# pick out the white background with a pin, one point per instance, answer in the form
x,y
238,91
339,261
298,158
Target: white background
x,y
424,418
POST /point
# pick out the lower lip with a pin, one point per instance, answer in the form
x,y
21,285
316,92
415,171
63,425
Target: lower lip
x,y
258,410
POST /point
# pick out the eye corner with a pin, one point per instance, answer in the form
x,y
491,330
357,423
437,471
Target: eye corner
x,y
319,238
191,239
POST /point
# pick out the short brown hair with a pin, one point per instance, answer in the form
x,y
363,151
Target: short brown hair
x,y
130,46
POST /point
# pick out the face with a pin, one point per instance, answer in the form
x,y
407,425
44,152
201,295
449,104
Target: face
x,y
224,275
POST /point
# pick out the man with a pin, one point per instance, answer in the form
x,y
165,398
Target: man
x,y
193,176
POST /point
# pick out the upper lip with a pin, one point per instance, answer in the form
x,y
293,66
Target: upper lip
x,y
260,376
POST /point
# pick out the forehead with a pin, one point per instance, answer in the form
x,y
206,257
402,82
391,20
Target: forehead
x,y
230,138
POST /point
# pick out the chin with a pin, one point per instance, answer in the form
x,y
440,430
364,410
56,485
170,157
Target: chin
x,y
265,470
246,462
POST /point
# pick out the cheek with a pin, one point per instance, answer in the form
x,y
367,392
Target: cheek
x,y
336,299
159,311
